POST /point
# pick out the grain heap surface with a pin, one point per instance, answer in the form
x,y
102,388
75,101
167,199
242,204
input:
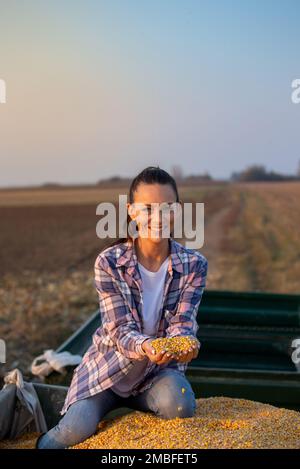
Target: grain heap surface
x,y
219,422
26,441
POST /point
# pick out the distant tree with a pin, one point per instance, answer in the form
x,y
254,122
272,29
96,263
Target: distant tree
x,y
207,177
198,178
115,179
235,176
51,185
254,173
111,179
259,173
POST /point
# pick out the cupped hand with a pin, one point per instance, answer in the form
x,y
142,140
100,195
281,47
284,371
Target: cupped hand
x,y
160,358
190,354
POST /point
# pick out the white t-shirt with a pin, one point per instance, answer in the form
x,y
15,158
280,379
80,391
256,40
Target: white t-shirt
x,y
153,286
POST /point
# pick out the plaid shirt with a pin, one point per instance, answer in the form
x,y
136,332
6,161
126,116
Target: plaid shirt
x,y
117,342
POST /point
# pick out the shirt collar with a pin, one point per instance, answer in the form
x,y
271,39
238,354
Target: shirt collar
x,y
128,256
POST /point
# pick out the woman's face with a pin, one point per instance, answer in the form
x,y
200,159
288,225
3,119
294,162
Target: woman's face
x,y
152,210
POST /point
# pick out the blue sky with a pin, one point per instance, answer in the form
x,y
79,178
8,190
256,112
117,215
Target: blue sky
x,y
100,88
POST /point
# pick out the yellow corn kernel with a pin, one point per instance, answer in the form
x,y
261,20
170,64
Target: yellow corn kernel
x,y
219,422
174,345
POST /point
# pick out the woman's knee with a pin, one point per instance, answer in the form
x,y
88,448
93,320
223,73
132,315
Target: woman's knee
x,y
174,397
170,408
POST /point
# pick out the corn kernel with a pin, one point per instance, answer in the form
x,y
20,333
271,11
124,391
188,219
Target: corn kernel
x,y
174,345
219,422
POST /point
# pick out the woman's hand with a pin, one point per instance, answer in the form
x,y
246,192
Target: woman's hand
x,y
185,357
160,358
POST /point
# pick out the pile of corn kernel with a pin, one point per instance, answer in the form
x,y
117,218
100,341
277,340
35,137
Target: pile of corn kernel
x,y
173,345
219,422
26,441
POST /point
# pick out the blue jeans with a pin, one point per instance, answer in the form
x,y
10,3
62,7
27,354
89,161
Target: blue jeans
x,y
164,398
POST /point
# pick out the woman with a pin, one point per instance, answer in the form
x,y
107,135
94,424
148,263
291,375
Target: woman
x,y
149,286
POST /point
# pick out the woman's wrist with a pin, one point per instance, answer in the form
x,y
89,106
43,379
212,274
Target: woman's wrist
x,y
144,351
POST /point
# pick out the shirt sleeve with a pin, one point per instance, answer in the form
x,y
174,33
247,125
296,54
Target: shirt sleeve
x,y
184,321
116,317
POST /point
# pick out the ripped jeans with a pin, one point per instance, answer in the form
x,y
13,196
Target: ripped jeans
x,y
166,398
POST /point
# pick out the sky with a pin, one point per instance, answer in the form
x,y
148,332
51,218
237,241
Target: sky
x,y
101,88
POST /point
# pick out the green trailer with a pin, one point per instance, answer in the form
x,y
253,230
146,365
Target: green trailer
x,y
246,350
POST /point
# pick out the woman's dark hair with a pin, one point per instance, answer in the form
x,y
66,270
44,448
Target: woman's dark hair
x,y
149,175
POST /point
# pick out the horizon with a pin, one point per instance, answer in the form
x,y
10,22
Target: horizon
x,y
109,88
